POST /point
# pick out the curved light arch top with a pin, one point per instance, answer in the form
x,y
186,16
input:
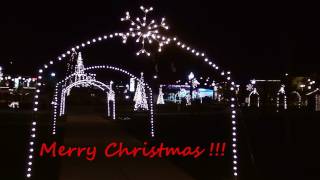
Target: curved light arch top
x,y
64,90
123,71
95,83
116,69
200,55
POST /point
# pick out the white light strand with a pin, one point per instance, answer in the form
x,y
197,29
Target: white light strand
x,y
227,77
108,107
151,112
55,105
114,110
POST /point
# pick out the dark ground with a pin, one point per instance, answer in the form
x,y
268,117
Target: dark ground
x,y
272,145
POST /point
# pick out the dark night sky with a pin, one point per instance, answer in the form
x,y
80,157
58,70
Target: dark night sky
x,y
251,40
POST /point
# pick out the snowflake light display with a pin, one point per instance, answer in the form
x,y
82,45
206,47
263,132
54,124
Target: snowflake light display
x,y
249,87
145,31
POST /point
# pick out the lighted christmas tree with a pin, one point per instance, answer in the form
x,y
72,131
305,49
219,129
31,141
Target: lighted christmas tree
x,y
140,97
79,68
79,71
160,99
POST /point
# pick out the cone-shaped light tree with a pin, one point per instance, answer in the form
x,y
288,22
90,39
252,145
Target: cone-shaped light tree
x,y
140,97
160,99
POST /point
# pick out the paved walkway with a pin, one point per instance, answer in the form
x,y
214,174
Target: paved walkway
x,y
95,131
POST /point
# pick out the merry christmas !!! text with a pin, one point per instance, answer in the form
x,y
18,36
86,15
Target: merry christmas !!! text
x,y
118,150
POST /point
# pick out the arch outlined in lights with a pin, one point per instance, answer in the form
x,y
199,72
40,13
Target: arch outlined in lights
x,y
176,42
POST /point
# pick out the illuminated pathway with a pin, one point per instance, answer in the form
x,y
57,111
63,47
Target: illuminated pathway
x,y
94,130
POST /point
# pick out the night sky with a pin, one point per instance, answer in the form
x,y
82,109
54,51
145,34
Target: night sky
x,y
251,40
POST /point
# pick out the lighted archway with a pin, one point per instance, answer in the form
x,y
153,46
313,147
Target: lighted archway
x,y
282,93
60,96
103,87
150,34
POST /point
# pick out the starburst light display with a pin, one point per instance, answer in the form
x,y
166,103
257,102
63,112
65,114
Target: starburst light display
x,y
146,31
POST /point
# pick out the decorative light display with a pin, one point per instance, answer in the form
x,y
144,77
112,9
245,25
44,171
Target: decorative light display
x,y
79,69
299,97
216,94
188,100
281,92
108,107
317,98
140,97
55,106
111,98
98,84
255,92
191,76
183,46
145,31
14,105
72,62
249,87
317,102
16,83
1,74
88,83
160,99
132,85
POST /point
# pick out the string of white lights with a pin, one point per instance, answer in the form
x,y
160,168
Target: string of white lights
x,y
114,110
108,108
32,138
227,77
55,105
151,111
